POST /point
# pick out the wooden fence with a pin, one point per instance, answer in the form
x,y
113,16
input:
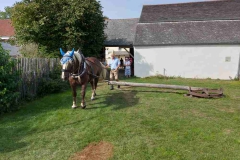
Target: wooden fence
x,y
32,71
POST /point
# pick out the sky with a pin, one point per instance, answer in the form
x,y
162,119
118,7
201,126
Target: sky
x,y
118,9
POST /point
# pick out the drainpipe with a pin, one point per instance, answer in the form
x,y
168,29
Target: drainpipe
x,y
238,74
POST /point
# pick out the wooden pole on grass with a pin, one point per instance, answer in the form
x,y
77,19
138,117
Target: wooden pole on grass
x,y
150,85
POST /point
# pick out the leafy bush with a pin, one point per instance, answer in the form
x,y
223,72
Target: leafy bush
x,y
48,85
53,84
9,78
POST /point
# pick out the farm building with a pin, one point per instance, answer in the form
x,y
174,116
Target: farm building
x,y
191,40
7,32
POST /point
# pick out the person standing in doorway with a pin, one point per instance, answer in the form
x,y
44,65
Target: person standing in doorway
x,y
121,63
114,64
127,68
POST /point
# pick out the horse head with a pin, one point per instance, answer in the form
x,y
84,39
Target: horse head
x,y
67,63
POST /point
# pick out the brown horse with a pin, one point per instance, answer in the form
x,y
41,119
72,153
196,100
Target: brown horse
x,y
79,71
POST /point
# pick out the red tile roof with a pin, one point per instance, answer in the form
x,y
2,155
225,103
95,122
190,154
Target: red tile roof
x,y
6,29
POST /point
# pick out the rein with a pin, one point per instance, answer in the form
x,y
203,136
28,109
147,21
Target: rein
x,y
94,63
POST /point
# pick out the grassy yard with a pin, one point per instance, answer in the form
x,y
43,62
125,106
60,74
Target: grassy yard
x,y
141,124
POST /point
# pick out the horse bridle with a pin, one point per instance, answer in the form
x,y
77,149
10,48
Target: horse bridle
x,y
82,67
65,70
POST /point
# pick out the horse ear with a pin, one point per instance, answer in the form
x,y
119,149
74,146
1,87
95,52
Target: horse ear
x,y
61,51
71,54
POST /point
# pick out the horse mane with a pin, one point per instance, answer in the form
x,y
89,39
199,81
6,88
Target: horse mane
x,y
77,56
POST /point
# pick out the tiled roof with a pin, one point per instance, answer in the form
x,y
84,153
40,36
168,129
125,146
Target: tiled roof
x,y
6,29
193,32
120,32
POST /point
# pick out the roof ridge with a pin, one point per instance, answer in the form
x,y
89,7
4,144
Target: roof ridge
x,y
205,10
210,1
213,20
122,19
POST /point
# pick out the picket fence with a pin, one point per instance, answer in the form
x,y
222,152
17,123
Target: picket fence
x,y
32,70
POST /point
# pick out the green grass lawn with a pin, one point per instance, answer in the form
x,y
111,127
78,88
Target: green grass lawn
x,y
141,124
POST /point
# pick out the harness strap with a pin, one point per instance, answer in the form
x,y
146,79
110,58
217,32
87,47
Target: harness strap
x,y
82,67
65,70
80,75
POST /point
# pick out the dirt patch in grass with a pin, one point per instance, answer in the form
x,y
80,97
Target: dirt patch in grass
x,y
95,151
198,113
228,110
194,112
227,131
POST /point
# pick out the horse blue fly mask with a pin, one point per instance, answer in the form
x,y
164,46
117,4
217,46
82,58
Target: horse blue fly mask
x,y
66,56
66,63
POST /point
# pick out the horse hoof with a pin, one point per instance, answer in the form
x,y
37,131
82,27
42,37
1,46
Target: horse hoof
x,y
83,105
95,94
74,107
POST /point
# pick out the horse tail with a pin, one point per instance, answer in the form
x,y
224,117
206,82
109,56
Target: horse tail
x,y
104,72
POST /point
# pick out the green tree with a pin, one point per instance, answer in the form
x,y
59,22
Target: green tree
x,y
6,14
60,23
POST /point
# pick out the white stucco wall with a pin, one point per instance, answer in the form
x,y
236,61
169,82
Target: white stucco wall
x,y
187,61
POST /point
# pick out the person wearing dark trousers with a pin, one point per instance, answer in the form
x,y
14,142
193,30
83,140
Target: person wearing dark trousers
x,y
121,63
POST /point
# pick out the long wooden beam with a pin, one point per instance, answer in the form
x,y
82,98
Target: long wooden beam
x,y
129,53
166,86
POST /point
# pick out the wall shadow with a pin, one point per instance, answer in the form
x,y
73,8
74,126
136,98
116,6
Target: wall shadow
x,y
142,67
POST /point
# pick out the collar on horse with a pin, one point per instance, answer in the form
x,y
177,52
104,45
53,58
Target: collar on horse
x,y
81,68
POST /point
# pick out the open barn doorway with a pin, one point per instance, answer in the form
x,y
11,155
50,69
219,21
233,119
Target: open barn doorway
x,y
121,52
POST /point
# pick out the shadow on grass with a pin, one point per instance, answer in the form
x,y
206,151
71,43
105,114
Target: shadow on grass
x,y
122,100
125,97
10,141
118,100
17,125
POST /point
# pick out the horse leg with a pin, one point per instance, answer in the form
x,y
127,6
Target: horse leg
x,y
74,94
83,104
96,82
93,89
